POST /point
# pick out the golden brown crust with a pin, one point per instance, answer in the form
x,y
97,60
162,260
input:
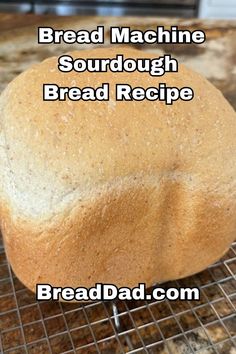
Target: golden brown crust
x,y
115,192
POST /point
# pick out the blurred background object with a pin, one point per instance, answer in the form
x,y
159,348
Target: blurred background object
x,y
207,326
217,9
178,8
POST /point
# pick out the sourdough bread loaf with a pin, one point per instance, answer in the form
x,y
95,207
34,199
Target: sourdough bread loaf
x,y
115,192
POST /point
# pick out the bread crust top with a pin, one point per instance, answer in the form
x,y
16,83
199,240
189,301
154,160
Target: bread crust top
x,y
56,154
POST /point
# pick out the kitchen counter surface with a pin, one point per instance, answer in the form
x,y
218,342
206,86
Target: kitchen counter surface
x,y
215,59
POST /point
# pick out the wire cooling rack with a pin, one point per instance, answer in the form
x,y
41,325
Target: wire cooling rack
x,y
165,327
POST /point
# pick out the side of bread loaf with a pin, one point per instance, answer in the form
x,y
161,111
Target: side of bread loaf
x,y
115,192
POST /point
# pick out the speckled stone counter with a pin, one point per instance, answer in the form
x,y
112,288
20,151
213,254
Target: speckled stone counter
x,y
216,60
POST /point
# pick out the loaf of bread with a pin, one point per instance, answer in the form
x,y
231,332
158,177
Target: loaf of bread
x,y
113,191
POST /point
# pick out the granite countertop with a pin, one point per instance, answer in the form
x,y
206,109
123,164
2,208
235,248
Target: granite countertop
x,y
215,59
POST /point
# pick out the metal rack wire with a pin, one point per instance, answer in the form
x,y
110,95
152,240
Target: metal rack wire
x,y
166,327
